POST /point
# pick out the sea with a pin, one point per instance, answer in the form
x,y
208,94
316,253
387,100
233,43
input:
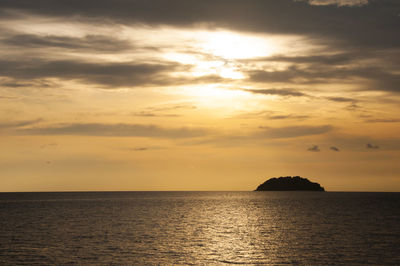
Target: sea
x,y
200,228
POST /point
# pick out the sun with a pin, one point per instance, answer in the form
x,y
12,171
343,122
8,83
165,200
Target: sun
x,y
229,45
204,66
218,53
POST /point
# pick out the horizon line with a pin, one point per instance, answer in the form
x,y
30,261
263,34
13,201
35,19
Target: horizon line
x,y
94,191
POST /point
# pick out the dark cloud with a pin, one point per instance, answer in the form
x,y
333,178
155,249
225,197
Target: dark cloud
x,y
371,146
117,130
341,99
311,74
333,148
352,107
346,24
336,59
348,66
294,131
372,78
14,83
139,149
143,148
359,142
382,80
382,120
280,117
314,148
280,92
89,42
352,103
336,2
103,74
18,124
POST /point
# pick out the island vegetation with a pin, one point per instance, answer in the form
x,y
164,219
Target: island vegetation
x,y
289,183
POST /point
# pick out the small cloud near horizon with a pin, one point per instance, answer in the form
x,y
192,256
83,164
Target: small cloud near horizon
x,y
333,148
314,148
371,146
139,149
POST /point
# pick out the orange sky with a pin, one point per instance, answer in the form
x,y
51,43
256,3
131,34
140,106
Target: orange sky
x,y
199,95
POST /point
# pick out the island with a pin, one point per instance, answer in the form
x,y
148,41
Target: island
x,y
289,183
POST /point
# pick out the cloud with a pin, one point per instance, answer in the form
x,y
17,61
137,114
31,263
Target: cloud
x,y
371,146
112,74
359,142
337,2
366,77
140,149
280,92
352,107
329,59
280,117
173,107
352,103
382,120
115,130
347,48
379,79
163,111
310,74
284,16
103,74
270,115
14,83
280,76
153,114
18,124
333,148
98,43
341,99
314,148
294,131
48,145
7,97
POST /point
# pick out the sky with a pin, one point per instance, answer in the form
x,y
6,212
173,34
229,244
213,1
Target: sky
x,y
199,95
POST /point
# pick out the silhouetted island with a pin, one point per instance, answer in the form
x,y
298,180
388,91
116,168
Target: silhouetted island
x,y
289,183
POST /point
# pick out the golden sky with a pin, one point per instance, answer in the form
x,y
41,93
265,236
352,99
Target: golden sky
x,y
199,95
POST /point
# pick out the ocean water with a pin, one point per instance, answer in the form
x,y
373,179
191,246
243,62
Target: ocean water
x,y
200,228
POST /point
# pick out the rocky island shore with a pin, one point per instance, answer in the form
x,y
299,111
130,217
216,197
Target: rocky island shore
x,y
289,183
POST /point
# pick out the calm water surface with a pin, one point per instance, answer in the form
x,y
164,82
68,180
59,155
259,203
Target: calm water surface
x,y
141,228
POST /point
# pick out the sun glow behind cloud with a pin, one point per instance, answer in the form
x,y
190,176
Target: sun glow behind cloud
x,y
230,45
216,52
